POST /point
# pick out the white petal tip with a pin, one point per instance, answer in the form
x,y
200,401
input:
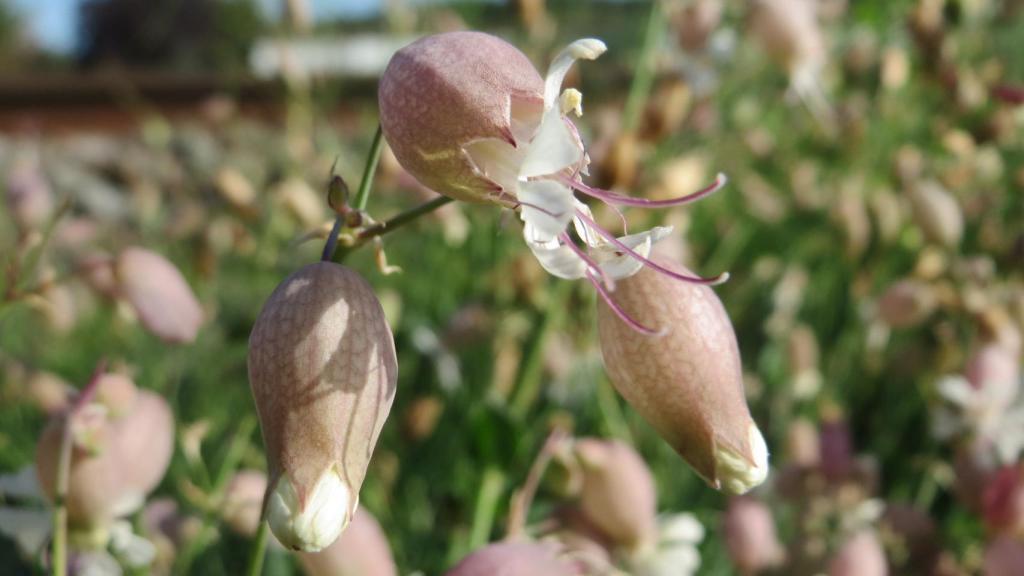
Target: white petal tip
x,y
587,49
737,474
328,510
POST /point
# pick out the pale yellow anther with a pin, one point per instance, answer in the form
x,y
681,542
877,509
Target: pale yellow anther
x,y
571,99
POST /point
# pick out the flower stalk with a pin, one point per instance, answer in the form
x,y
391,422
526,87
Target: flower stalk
x,y
259,546
362,194
59,555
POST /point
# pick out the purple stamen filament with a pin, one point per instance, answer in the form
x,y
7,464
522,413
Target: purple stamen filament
x,y
613,198
591,263
629,320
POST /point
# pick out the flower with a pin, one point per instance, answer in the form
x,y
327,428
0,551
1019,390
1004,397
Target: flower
x,y
122,440
467,115
618,493
323,373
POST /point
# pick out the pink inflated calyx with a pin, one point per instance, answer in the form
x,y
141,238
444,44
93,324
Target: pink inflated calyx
x,y
467,115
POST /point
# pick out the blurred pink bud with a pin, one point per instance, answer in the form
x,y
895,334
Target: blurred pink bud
x,y
117,393
803,444
115,461
618,493
836,449
686,381
243,501
860,555
97,270
1004,557
906,303
29,199
790,34
1003,501
446,92
49,392
937,212
362,550
512,559
695,23
157,291
323,373
750,536
994,364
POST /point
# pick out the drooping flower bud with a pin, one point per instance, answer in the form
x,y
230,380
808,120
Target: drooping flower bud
x,y
686,382
363,550
860,555
750,536
937,212
618,493
513,559
157,291
323,373
116,458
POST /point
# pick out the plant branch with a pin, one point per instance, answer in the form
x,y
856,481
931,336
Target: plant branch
x,y
362,194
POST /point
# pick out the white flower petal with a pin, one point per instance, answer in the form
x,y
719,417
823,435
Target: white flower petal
x,y
558,259
553,149
585,49
619,265
957,390
681,528
495,160
547,207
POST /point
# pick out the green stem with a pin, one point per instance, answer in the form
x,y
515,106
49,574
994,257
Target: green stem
x,y
644,77
362,195
259,549
401,219
486,505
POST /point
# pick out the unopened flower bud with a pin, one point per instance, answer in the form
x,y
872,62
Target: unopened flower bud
x,y
512,559
157,291
618,493
115,461
29,199
750,536
906,303
362,550
687,381
937,212
323,373
860,555
1003,501
1004,557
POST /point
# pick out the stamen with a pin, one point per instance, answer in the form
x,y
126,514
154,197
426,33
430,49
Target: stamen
x,y
613,198
713,281
609,282
629,320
